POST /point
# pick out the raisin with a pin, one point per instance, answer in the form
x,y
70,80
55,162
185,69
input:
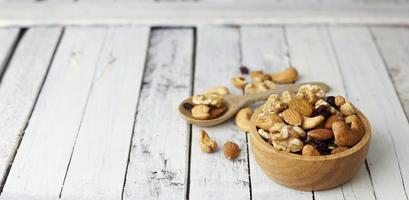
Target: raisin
x,y
244,70
188,106
322,146
331,101
322,110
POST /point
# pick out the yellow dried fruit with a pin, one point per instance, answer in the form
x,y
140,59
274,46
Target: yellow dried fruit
x,y
292,117
303,106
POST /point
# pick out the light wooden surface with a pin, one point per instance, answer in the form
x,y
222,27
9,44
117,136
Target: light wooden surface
x,y
192,13
95,108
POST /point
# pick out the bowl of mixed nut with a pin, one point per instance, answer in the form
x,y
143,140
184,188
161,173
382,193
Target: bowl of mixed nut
x,y
308,140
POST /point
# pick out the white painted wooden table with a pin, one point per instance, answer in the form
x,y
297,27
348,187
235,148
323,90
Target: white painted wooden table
x,y
89,112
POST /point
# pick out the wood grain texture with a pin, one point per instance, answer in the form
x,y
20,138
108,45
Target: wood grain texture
x,y
42,159
8,37
368,86
198,13
21,84
100,157
158,161
212,175
313,54
265,48
393,44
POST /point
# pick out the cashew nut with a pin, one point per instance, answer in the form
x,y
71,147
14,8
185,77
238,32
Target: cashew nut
x,y
264,134
347,109
312,122
220,90
259,76
239,82
346,135
309,150
332,119
288,75
206,144
243,119
201,112
339,100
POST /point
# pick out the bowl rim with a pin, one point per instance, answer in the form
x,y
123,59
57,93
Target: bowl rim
x,y
361,144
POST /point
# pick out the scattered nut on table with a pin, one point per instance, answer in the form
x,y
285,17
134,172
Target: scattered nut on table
x,y
288,75
243,119
231,150
206,144
309,122
239,82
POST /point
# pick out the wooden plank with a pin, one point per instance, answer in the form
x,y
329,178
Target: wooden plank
x,y
42,159
158,161
368,86
265,48
199,13
313,55
8,36
100,156
21,84
393,43
212,175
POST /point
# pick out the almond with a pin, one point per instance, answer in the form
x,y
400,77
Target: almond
x,y
303,106
217,112
292,117
332,119
321,134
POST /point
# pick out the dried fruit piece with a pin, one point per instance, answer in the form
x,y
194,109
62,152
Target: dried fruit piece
x,y
322,146
321,134
322,110
201,112
309,150
206,144
292,117
301,105
188,106
244,70
231,150
331,101
288,75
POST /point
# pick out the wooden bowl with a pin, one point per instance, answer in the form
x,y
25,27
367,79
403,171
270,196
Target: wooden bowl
x,y
309,172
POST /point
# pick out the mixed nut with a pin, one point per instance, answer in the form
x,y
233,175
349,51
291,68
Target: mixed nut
x,y
309,122
230,149
208,105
